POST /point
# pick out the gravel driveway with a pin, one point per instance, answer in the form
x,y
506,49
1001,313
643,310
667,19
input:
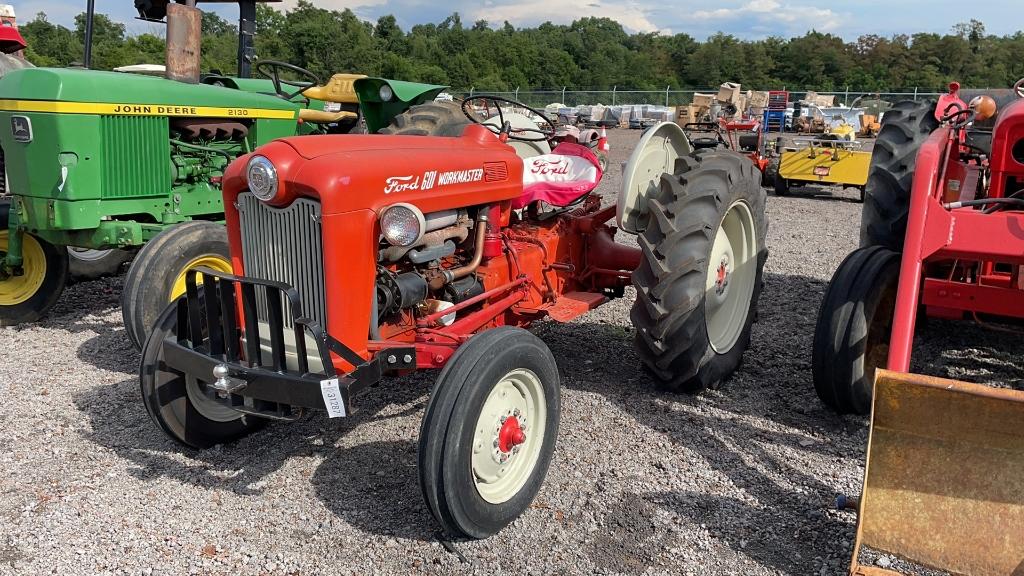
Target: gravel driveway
x,y
737,480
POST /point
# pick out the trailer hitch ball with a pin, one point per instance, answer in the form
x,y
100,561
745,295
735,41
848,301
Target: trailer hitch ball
x,y
223,382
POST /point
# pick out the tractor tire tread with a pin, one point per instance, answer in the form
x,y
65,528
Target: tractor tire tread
x,y
837,353
671,337
890,175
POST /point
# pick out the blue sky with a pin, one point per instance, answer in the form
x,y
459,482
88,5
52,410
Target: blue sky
x,y
743,18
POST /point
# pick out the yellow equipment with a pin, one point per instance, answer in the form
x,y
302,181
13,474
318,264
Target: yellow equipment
x,y
823,161
339,91
869,126
944,479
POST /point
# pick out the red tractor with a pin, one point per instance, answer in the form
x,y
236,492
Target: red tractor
x,y
743,135
942,237
433,247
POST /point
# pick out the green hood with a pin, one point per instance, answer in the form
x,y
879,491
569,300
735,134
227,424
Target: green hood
x,y
92,86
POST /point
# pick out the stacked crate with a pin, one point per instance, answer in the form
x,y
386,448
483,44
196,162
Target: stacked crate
x,y
775,115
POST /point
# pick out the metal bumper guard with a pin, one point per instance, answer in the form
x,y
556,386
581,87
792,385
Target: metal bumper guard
x,y
209,343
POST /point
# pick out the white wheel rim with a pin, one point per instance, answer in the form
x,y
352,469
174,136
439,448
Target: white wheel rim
x,y
88,254
208,408
517,400
730,277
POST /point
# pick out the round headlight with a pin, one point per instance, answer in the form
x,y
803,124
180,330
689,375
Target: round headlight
x,y
262,178
402,224
386,93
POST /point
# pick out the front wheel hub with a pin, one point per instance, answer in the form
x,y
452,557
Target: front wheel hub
x,y
510,435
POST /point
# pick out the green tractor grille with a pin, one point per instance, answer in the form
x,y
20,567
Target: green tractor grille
x,y
136,154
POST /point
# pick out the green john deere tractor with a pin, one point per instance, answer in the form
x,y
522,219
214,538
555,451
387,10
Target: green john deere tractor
x,y
107,160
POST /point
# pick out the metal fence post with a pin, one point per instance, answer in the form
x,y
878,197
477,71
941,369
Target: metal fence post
x,y
517,93
846,99
563,95
614,88
915,93
470,91
666,96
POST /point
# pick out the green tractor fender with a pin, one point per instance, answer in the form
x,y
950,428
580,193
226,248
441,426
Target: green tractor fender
x,y
381,99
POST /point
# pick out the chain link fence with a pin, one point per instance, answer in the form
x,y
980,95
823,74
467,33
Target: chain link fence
x,y
670,97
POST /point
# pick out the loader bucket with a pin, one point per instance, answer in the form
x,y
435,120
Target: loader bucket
x,y
944,478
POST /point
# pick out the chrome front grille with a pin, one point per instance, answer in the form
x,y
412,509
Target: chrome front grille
x,y
285,245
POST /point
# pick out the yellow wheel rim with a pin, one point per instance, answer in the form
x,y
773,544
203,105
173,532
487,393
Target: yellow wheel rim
x,y
218,263
18,289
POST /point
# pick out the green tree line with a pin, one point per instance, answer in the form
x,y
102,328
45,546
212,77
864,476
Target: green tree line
x,y
590,53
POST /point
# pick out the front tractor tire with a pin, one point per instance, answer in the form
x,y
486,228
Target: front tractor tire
x,y
700,274
886,195
489,431
28,296
179,404
157,274
851,338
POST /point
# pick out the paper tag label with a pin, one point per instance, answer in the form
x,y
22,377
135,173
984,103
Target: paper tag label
x,y
332,398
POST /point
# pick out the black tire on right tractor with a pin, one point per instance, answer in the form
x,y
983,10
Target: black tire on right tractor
x,y
893,159
29,296
157,274
430,119
88,264
703,253
851,337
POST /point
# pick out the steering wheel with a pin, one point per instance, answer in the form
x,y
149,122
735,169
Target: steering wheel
x,y
1018,88
705,142
546,131
272,69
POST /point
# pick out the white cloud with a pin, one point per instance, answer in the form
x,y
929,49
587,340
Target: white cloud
x,y
634,16
761,13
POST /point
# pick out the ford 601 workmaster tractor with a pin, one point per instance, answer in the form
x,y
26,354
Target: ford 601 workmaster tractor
x,y
104,160
357,257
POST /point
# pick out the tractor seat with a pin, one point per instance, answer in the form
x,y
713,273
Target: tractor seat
x,y
560,178
340,88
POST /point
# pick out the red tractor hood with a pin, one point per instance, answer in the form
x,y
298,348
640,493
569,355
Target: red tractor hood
x,y
369,172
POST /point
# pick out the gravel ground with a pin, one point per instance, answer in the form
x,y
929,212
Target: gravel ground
x,y
737,480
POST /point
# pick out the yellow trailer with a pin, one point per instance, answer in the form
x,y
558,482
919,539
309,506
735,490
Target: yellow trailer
x,y
821,161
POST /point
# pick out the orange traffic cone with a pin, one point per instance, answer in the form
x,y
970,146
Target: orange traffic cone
x,y
602,142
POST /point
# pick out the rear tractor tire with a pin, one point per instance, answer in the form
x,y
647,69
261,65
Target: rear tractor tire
x,y
157,275
430,119
891,173
489,431
851,338
28,296
700,274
